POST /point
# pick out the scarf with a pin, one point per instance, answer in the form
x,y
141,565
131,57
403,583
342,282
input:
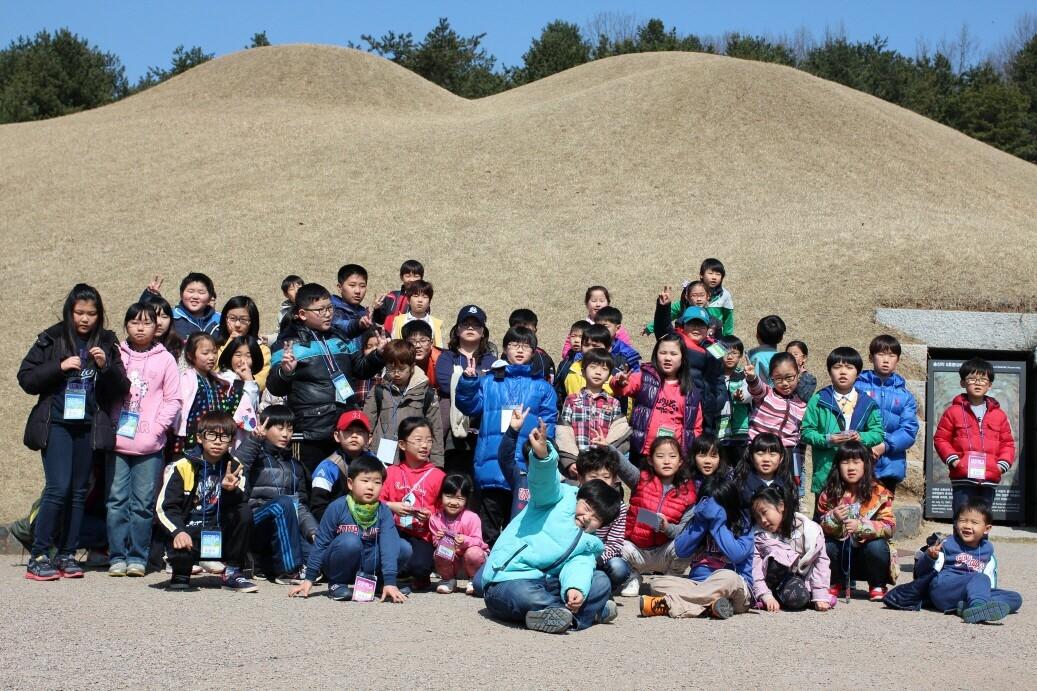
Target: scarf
x,y
365,515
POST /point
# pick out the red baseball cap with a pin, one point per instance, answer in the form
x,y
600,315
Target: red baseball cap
x,y
349,417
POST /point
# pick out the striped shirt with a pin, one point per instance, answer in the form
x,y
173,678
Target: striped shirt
x,y
775,413
612,535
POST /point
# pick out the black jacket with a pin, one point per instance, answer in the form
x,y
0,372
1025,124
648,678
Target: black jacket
x,y
273,473
40,375
309,389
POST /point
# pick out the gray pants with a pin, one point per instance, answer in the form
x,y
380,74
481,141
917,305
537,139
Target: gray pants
x,y
660,559
687,598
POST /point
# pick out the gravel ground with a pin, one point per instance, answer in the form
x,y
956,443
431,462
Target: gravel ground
x,y
131,633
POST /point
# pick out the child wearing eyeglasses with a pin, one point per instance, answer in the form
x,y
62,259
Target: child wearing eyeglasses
x,y
974,437
202,391
777,409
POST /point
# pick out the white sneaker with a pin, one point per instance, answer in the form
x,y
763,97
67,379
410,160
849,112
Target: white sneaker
x,y
446,586
632,588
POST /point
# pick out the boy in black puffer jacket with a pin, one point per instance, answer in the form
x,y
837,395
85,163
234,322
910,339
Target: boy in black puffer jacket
x,y
278,494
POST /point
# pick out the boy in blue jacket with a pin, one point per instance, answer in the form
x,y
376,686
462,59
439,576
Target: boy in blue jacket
x,y
612,319
509,385
542,569
959,574
350,318
898,407
357,537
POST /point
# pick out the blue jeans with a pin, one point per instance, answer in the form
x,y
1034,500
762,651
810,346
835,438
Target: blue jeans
x,y
960,493
415,556
67,462
132,484
511,600
346,556
617,570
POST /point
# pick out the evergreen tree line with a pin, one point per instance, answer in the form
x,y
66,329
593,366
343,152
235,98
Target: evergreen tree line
x,y
992,99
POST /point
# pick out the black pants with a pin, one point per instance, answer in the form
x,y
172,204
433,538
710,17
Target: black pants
x,y
495,512
311,452
789,589
869,561
235,520
889,483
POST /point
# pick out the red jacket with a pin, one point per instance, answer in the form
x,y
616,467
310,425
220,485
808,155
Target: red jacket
x,y
648,496
959,433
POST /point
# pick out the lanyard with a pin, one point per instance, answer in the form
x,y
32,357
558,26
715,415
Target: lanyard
x,y
396,403
979,423
410,490
219,494
329,359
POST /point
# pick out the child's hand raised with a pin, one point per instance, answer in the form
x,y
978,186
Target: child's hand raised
x,y
469,371
288,361
748,368
259,432
155,286
934,551
232,476
665,296
518,417
538,439
365,322
379,299
244,371
619,380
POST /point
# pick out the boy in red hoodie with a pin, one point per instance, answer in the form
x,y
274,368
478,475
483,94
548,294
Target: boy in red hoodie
x,y
974,437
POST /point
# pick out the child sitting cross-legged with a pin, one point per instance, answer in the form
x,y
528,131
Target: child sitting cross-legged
x,y
357,538
456,535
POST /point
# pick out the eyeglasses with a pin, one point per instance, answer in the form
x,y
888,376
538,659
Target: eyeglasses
x,y
244,321
520,347
977,380
419,342
213,435
324,311
787,379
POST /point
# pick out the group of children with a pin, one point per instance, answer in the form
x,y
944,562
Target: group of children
x,y
360,447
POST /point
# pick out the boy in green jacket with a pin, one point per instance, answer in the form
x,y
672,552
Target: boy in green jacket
x,y
541,570
837,414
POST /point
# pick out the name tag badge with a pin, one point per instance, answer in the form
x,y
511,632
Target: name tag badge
x,y
445,549
717,350
665,432
212,545
649,518
977,467
343,391
387,451
75,404
363,588
505,418
406,521
128,424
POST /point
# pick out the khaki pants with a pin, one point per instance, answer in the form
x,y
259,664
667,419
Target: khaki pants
x,y
660,559
687,598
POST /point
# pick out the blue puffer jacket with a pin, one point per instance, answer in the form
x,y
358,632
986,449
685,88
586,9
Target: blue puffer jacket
x,y
899,420
494,393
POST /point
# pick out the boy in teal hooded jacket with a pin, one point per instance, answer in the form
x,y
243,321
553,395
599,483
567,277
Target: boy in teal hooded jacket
x,y
541,571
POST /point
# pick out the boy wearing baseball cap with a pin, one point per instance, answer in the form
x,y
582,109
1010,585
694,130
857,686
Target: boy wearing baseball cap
x,y
352,434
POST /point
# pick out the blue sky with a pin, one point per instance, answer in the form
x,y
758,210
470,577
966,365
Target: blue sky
x,y
145,32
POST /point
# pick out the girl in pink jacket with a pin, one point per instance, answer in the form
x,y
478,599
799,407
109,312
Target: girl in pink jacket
x,y
456,534
790,563
143,420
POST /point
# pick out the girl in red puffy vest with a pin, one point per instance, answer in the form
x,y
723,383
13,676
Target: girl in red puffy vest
x,y
660,498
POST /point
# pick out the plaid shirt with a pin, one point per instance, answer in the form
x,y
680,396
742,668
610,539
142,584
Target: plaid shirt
x,y
590,415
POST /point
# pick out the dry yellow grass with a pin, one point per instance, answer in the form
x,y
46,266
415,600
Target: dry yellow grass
x,y
822,201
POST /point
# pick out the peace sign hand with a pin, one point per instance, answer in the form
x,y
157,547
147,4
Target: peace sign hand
x,y
155,286
518,417
748,368
259,432
288,361
232,476
538,439
665,296
469,371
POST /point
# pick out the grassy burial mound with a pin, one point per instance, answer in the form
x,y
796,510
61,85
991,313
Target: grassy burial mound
x,y
822,201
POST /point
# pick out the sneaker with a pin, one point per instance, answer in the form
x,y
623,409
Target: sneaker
x,y
216,567
654,606
469,589
608,613
340,592
117,568
631,588
96,559
288,579
876,594
135,570
236,581
446,586
550,620
67,566
837,591
721,609
984,612
179,583
41,569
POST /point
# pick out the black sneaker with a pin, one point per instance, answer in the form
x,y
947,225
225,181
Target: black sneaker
x,y
181,583
550,620
235,580
340,592
40,568
67,566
